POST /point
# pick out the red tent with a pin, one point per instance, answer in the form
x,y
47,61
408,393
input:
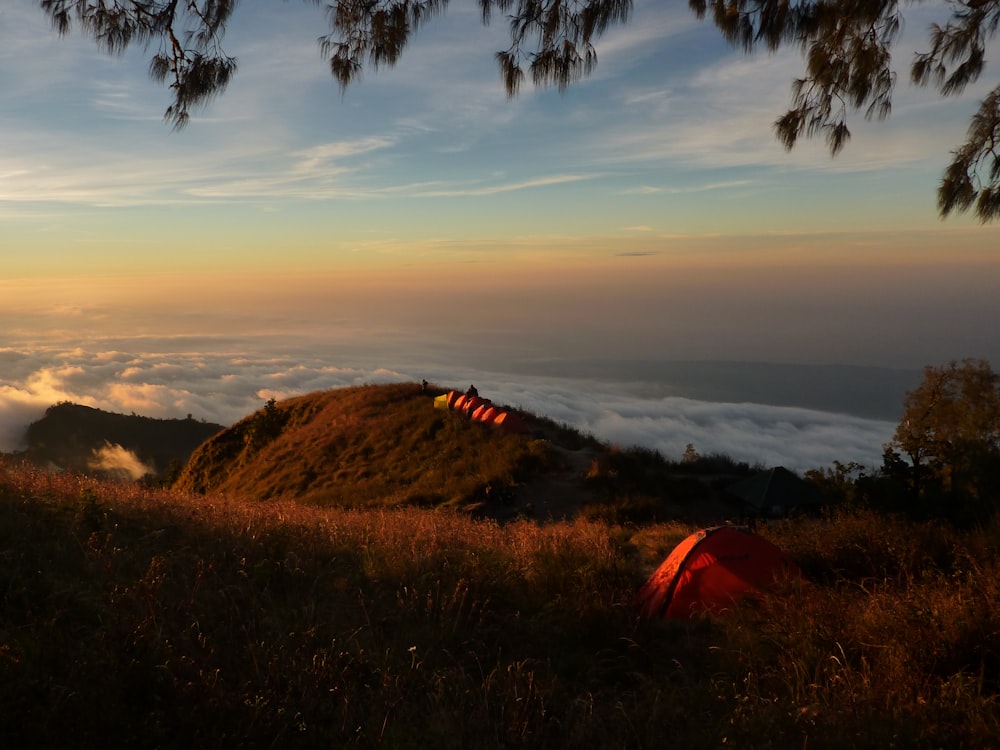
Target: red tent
x,y
490,414
710,570
510,422
472,403
479,414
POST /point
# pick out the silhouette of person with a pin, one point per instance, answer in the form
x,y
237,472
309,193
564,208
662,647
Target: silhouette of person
x,y
472,391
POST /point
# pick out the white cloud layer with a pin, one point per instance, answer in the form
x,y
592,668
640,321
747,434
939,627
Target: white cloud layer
x,y
226,387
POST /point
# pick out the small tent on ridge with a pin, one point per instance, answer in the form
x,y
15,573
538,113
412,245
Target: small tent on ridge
x,y
711,570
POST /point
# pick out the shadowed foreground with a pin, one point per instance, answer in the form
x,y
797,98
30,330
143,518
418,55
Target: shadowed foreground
x,y
139,619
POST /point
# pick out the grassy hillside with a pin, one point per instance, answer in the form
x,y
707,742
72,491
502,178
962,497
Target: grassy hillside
x,y
369,445
386,446
140,618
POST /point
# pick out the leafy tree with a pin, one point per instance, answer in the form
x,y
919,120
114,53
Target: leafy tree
x,y
950,431
846,44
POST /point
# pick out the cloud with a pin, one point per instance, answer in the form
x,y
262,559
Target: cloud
x,y
718,112
507,187
115,459
217,387
430,127
650,25
798,439
319,158
18,409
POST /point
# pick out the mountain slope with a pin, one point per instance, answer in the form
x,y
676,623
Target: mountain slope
x,y
362,446
386,445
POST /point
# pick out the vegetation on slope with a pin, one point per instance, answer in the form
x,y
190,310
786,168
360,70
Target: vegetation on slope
x,y
362,446
139,618
385,445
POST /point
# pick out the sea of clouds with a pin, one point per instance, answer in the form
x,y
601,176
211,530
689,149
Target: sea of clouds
x,y
220,380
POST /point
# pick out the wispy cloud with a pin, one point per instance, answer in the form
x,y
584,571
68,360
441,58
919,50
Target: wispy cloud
x,y
687,189
507,187
320,157
643,190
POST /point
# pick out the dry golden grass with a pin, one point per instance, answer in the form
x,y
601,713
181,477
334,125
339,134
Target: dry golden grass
x,y
360,447
138,618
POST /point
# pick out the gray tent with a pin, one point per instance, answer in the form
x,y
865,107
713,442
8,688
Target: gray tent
x,y
775,493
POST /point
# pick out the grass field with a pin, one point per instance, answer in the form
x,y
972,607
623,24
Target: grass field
x,y
138,618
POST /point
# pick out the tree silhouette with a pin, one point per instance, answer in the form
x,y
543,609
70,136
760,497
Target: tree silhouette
x,y
846,44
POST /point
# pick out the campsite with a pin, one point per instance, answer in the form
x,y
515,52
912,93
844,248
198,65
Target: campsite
x,y
138,616
570,375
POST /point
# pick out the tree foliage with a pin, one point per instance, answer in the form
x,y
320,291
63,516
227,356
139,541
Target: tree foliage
x,y
950,431
846,45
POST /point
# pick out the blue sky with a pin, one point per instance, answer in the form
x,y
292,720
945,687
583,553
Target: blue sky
x,y
654,190
670,138
646,212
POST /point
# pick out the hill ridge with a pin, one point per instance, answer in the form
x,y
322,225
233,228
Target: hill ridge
x,y
386,445
74,437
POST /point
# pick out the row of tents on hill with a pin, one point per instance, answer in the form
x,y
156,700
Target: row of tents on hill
x,y
481,410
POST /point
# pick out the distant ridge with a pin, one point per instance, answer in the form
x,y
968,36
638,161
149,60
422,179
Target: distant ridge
x,y
69,436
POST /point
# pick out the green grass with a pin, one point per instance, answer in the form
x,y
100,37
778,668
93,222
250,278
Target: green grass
x,y
138,618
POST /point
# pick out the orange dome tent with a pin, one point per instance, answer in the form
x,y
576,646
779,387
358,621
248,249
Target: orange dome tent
x,y
472,403
710,570
489,415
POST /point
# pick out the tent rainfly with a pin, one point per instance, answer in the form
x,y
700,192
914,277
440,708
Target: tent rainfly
x,y
483,410
711,570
